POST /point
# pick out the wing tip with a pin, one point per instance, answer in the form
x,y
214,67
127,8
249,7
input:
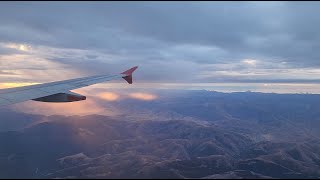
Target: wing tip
x,y
130,71
128,74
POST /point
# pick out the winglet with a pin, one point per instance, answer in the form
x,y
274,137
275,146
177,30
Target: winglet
x,y
128,74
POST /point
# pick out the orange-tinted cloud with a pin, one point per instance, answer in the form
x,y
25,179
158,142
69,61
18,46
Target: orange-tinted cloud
x,y
86,107
109,96
143,96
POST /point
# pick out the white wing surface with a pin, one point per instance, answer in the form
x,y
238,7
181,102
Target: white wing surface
x,y
57,91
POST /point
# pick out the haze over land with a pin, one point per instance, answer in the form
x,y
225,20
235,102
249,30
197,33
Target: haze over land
x,y
177,134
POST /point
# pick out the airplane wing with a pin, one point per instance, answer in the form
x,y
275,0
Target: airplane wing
x,y
58,91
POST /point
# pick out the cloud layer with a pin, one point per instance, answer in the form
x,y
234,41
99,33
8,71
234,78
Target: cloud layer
x,y
172,42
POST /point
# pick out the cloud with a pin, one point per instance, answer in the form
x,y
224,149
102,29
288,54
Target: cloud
x,y
109,96
143,96
30,64
250,62
80,108
172,42
119,92
20,47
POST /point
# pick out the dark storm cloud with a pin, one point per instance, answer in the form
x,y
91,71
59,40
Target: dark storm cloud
x,y
171,41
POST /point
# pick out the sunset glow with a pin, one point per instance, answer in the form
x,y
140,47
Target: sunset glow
x,y
143,96
109,96
21,47
11,85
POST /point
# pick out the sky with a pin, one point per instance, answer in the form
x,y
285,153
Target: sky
x,y
227,46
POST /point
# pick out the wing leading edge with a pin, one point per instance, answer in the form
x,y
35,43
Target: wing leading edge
x,y
58,91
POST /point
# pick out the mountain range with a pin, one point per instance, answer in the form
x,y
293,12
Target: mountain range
x,y
182,134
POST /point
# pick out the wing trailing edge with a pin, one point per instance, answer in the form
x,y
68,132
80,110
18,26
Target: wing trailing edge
x,y
62,97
